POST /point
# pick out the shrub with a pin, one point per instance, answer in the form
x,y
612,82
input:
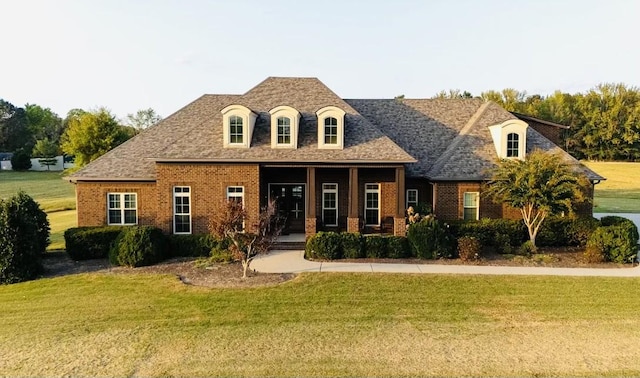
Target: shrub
x,y
580,229
502,243
553,232
84,243
218,254
21,160
376,246
24,236
352,245
594,254
324,245
193,245
527,248
398,247
429,239
138,246
469,248
486,230
618,243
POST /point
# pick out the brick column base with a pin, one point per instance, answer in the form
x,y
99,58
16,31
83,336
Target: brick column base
x,y
399,227
310,228
353,224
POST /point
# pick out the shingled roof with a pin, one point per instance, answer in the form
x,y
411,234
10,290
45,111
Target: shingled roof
x,y
439,139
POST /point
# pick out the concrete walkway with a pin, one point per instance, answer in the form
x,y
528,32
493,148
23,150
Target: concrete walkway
x,y
294,262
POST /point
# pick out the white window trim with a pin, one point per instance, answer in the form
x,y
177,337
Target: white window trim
x,y
327,190
407,198
122,208
477,207
338,114
248,124
294,117
499,135
182,194
237,195
367,191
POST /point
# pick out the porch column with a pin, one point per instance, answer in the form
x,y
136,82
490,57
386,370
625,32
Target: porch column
x,y
399,228
310,226
353,221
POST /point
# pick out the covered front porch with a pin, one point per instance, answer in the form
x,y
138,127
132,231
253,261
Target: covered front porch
x,y
366,198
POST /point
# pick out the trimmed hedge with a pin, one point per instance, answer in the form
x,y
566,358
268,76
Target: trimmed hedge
x,y
492,232
431,240
352,245
561,232
616,240
375,246
200,245
138,246
324,245
398,247
333,245
85,243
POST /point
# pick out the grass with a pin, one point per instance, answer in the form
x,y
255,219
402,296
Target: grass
x,y
106,324
620,192
55,196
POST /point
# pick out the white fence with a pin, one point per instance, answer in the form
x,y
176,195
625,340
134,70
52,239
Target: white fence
x,y
60,165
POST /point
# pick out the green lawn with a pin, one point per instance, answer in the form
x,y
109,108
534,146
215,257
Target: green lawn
x,y
107,324
620,192
55,196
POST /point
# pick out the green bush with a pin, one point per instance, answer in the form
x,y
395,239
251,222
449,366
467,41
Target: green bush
x,y
192,245
502,244
398,247
527,249
594,254
84,243
580,229
375,246
21,160
486,230
618,243
138,246
469,248
218,254
24,236
352,245
324,245
430,240
553,232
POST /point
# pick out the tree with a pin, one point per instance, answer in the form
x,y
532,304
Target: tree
x,y
539,185
143,118
43,123
245,246
453,93
14,133
21,160
91,134
46,151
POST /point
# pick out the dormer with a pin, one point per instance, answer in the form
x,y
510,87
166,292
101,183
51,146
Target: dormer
x,y
330,127
238,124
510,139
285,124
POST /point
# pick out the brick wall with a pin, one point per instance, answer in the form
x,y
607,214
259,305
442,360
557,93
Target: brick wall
x,y
91,200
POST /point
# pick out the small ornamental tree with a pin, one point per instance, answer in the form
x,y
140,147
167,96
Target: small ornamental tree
x,y
229,223
540,185
46,152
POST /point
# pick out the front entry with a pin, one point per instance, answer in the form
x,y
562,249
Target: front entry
x,y
290,202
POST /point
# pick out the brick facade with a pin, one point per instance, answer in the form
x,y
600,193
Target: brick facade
x,y
91,201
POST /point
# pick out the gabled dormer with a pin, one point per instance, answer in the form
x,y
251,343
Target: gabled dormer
x,y
510,139
238,124
285,124
330,127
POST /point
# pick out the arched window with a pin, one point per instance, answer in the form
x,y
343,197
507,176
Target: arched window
x,y
284,130
513,145
235,130
330,130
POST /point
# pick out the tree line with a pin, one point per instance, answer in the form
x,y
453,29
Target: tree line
x,y
605,121
35,131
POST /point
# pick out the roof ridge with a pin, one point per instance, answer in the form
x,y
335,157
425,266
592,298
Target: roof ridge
x,y
446,155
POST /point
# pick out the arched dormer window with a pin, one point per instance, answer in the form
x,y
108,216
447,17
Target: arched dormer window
x,y
510,139
330,127
285,122
238,124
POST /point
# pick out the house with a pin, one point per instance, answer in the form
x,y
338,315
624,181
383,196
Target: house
x,y
331,163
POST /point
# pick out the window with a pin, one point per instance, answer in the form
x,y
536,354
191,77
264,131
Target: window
x,y
284,130
181,210
330,130
330,204
470,206
412,198
372,204
235,193
122,208
235,130
513,145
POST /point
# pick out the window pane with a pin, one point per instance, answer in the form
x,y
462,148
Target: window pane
x,y
371,216
182,223
470,213
114,201
470,200
114,217
330,200
129,201
129,217
330,217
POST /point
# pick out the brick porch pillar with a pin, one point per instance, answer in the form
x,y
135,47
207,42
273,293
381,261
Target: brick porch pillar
x,y
310,223
399,228
353,221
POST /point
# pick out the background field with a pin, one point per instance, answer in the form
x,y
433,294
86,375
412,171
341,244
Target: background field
x,y
620,192
110,324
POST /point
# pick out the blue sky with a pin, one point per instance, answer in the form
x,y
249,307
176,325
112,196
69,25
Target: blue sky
x,y
129,55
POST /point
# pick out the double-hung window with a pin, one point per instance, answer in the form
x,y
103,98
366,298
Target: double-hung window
x,y
235,130
284,130
513,145
181,210
330,130
470,206
122,208
330,204
236,194
372,204
412,198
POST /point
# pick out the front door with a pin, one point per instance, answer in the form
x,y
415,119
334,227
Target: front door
x,y
290,202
